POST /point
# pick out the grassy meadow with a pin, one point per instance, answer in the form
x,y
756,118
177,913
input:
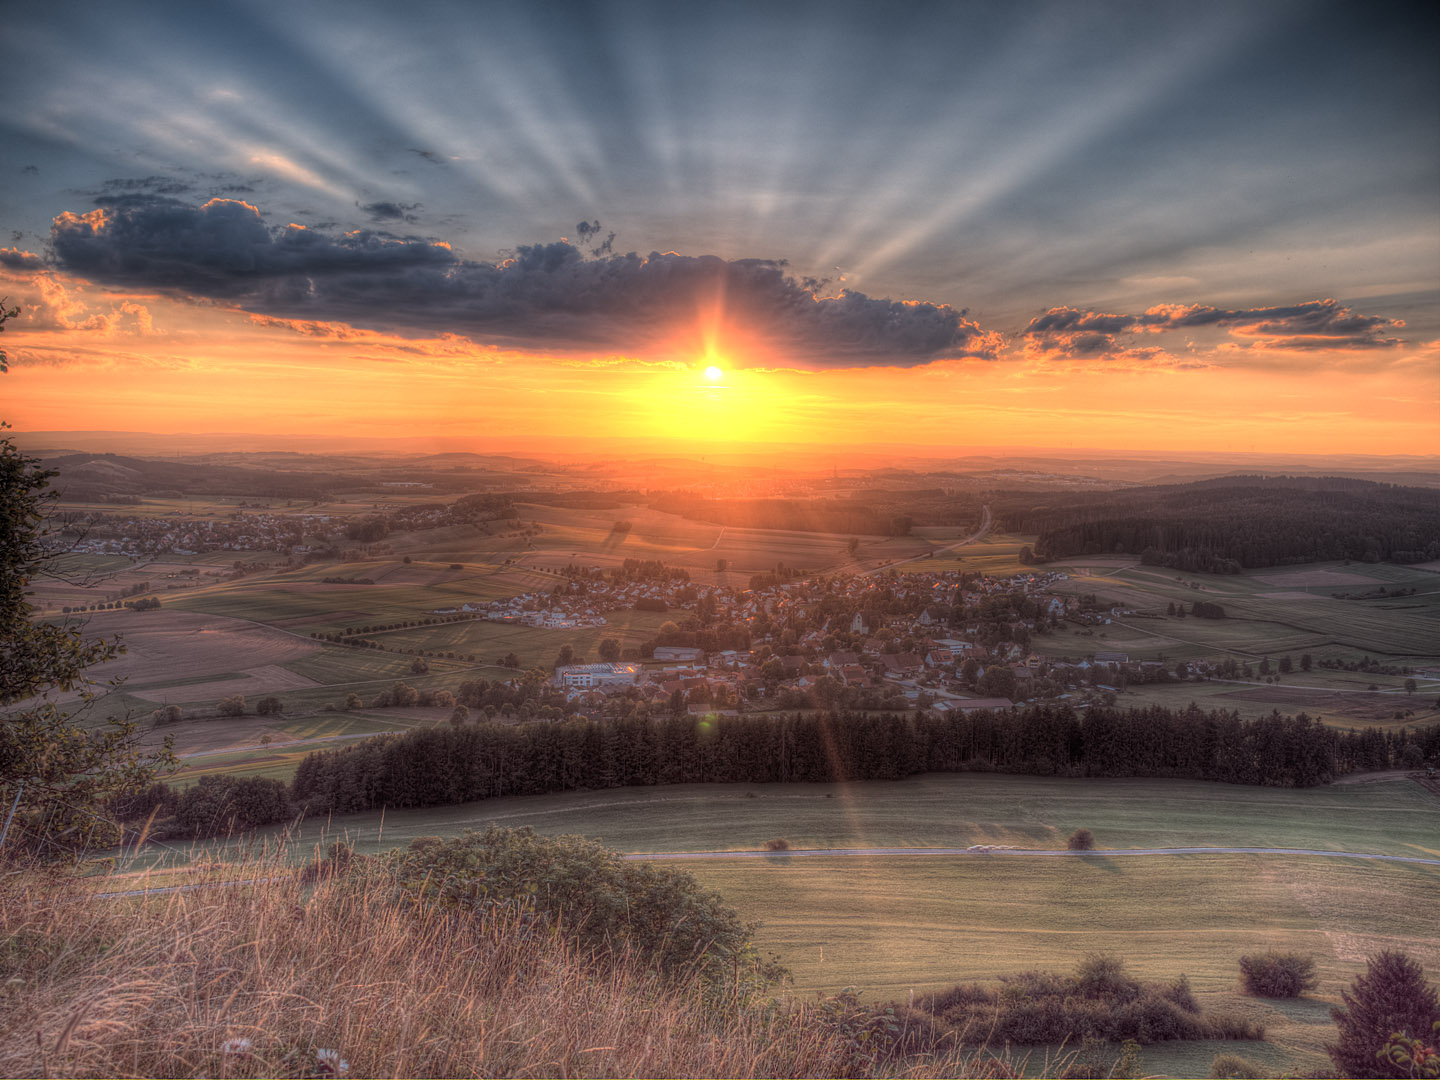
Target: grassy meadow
x,y
893,924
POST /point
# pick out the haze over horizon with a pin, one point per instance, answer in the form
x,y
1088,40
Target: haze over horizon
x,y
1114,227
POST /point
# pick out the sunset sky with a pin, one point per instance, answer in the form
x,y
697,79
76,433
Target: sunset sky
x,y
1138,226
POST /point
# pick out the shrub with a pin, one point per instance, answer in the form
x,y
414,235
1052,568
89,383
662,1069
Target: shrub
x,y
1391,997
234,705
591,895
1081,840
777,844
1179,993
1277,975
1235,1067
167,714
1099,1002
1101,975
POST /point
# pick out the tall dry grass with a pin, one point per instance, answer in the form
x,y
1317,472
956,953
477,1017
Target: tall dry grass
x,y
260,979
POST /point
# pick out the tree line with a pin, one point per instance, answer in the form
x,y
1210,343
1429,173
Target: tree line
x,y
1224,526
439,766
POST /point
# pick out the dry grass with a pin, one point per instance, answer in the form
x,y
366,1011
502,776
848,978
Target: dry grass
x,y
258,980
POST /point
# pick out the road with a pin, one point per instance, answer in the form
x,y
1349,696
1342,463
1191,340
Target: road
x,y
988,852
979,851
978,534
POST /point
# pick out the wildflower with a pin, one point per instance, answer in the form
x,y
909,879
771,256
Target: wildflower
x,y
330,1063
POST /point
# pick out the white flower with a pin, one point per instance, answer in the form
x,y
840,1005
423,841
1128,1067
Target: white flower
x,y
237,1047
331,1063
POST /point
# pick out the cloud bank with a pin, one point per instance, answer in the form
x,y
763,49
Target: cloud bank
x,y
546,296
1313,325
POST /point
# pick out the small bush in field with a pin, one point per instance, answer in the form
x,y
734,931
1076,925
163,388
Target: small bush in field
x,y
1277,974
777,844
1081,840
1234,1067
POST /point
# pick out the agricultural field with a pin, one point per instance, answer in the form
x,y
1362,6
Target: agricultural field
x,y
1270,614
893,924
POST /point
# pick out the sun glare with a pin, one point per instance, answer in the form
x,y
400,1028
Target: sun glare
x,y
713,373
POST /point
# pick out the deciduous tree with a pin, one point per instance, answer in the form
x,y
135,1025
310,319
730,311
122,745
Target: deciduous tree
x,y
54,774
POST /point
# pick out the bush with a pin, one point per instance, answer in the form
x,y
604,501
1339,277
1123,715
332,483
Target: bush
x,y
777,844
1099,1002
589,894
167,714
1081,840
1277,975
1235,1067
234,705
1100,975
1391,997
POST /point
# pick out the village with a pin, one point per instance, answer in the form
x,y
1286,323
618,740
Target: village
x,y
947,640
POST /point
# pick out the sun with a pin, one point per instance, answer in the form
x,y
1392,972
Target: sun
x,y
713,373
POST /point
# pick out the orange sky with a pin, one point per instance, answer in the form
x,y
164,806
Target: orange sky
x,y
87,359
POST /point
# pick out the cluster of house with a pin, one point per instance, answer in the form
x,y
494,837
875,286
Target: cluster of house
x,y
789,653
113,535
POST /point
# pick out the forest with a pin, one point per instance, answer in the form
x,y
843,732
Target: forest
x,y
467,762
1235,523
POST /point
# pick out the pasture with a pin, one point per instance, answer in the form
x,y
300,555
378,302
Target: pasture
x,y
1269,612
890,924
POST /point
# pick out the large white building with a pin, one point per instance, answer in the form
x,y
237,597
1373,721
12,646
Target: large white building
x,y
597,675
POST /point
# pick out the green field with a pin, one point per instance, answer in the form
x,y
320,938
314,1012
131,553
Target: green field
x,y
1268,617
893,924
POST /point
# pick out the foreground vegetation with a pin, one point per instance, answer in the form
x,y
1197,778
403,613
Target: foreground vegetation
x,y
357,967
503,953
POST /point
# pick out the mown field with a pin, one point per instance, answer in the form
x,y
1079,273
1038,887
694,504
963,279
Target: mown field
x,y
890,924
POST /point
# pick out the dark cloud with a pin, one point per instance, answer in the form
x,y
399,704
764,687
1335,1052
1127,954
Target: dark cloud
x,y
1314,324
33,170
428,155
15,259
147,185
546,296
389,211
